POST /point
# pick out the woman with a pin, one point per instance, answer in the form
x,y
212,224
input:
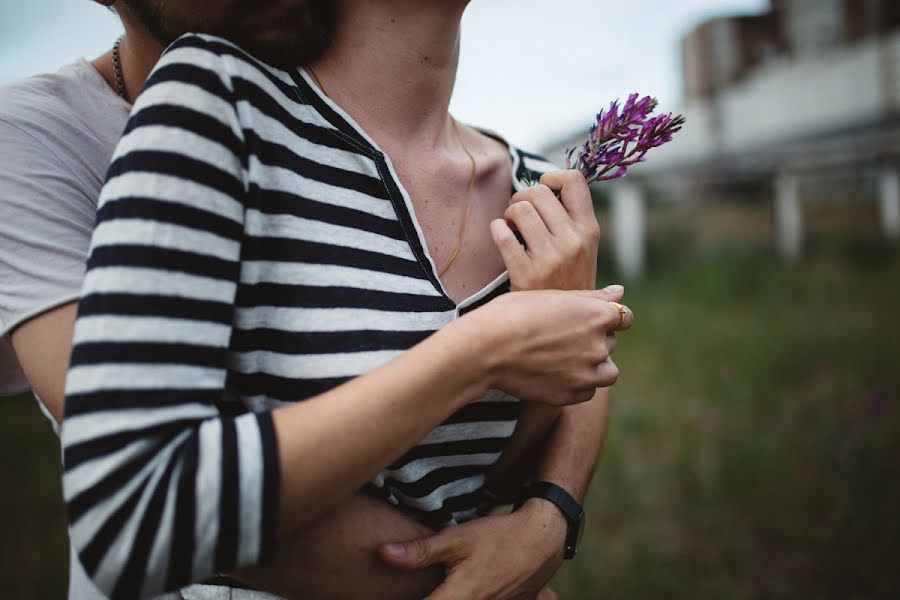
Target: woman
x,y
266,238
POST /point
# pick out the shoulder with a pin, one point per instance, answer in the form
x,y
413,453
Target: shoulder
x,y
69,117
76,96
41,93
527,166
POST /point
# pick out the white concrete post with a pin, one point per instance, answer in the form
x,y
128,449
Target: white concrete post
x,y
788,216
889,202
628,222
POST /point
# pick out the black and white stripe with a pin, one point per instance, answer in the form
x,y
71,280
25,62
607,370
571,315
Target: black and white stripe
x,y
251,242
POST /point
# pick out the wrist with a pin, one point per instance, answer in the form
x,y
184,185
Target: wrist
x,y
566,504
549,520
463,360
485,339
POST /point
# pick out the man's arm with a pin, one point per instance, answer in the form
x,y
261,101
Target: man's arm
x,y
570,455
336,557
43,345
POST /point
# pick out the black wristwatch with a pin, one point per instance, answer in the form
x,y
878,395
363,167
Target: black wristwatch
x,y
565,503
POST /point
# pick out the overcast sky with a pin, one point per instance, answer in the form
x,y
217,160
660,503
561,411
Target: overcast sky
x,y
533,70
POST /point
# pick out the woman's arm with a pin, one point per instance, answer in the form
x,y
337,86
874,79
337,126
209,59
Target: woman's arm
x,y
161,489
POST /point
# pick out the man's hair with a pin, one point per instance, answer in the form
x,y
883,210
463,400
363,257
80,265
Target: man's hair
x,y
319,27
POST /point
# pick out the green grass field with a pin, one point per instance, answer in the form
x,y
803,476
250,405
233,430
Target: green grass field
x,y
755,445
754,450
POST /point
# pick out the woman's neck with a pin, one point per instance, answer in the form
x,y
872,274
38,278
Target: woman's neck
x,y
392,67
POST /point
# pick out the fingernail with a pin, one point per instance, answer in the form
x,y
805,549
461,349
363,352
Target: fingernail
x,y
613,289
396,550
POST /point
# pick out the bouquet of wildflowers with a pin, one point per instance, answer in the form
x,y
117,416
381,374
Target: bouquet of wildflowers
x,y
621,138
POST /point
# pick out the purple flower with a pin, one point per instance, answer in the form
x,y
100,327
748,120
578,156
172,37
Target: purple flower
x,y
622,137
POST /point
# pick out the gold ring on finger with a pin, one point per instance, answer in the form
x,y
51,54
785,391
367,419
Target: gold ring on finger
x,y
623,311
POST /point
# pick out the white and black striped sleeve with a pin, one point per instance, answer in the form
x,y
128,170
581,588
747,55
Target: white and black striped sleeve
x,y
162,490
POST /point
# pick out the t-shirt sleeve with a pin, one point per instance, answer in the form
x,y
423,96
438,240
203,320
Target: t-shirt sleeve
x,y
161,489
46,217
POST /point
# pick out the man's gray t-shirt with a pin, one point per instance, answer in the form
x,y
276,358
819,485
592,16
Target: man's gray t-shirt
x,y
57,135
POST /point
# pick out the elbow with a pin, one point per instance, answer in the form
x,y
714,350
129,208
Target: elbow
x,y
120,523
99,574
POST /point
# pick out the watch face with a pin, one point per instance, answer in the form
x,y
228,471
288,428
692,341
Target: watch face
x,y
575,531
580,526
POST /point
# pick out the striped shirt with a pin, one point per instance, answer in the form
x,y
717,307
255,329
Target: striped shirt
x,y
253,247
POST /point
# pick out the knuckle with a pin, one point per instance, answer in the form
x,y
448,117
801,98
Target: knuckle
x,y
542,189
583,395
587,378
612,374
600,318
600,354
574,176
422,551
573,247
507,241
519,197
611,343
592,232
519,209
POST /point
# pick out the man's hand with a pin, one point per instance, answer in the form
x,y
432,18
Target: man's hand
x,y
498,557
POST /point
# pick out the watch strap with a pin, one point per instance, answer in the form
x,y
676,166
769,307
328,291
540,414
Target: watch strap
x,y
568,506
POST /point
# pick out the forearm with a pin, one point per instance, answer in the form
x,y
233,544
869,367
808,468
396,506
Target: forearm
x,y
371,421
335,557
571,452
569,459
553,444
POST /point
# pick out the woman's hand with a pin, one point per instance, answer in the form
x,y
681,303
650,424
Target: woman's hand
x,y
551,346
557,222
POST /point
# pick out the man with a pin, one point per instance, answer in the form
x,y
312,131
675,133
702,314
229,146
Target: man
x,y
48,318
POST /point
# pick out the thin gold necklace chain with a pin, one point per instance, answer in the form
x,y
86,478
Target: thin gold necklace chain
x,y
470,187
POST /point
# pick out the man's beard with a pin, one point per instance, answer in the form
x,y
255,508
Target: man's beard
x,y
148,13
314,23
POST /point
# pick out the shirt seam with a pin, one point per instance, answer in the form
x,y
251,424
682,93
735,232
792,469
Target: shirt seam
x,y
32,137
7,327
378,158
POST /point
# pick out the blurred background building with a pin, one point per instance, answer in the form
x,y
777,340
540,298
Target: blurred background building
x,y
804,98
